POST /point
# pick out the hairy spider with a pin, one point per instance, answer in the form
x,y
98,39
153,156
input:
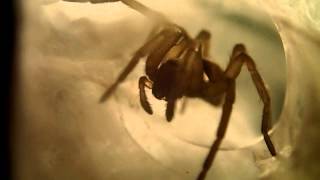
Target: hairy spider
x,y
176,67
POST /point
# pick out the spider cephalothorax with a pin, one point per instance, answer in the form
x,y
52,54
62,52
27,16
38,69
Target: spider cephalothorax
x,y
177,66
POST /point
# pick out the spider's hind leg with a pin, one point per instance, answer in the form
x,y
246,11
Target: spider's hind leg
x,y
238,58
222,128
184,105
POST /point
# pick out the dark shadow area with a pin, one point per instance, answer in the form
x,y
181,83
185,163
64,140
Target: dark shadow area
x,y
9,27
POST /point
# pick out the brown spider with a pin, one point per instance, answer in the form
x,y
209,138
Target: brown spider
x,y
176,67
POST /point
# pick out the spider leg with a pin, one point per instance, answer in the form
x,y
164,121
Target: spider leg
x,y
154,31
148,47
204,38
184,104
239,57
170,109
213,71
143,97
171,37
217,85
226,112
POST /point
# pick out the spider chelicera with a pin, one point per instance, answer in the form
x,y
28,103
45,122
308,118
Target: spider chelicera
x,y
177,66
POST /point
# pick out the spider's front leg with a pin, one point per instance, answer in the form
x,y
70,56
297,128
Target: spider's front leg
x,y
149,47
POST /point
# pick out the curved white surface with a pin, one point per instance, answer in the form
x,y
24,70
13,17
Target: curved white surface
x,y
72,52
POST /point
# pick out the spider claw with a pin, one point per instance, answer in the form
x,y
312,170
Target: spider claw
x,y
146,106
169,117
170,110
106,95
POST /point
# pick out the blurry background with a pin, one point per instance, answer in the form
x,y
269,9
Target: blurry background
x,y
70,53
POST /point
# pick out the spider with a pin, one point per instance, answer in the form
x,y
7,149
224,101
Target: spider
x,y
177,66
